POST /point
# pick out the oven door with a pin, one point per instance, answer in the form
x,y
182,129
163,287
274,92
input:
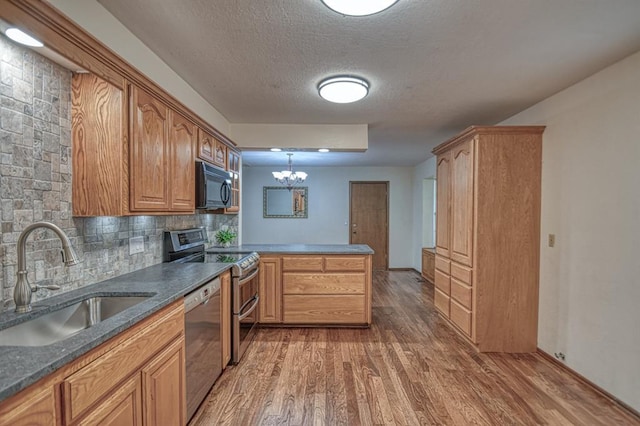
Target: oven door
x,y
245,313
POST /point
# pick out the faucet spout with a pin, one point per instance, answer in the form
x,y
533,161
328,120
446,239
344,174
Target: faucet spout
x,y
23,290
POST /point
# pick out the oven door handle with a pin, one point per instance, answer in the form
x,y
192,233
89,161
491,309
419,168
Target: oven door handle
x,y
250,277
255,299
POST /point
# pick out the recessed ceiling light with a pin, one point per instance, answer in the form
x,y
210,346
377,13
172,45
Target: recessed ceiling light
x,y
22,37
358,7
323,150
343,89
276,149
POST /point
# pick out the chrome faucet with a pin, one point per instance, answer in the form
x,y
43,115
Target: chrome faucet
x,y
23,290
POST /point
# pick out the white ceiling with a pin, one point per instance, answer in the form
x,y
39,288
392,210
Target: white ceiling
x,y
435,66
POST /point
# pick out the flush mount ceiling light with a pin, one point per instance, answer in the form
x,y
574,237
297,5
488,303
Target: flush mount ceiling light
x,y
323,150
358,7
343,89
289,178
22,37
276,149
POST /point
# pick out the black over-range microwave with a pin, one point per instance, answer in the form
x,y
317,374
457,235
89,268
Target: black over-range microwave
x,y
213,187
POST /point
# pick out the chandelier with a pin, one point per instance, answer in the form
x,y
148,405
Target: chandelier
x,y
289,178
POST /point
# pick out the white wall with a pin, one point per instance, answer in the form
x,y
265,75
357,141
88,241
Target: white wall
x,y
424,170
96,20
589,282
329,209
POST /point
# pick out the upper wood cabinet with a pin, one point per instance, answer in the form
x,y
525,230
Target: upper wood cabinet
x,y
100,178
443,202
183,140
233,165
488,235
461,212
211,149
150,153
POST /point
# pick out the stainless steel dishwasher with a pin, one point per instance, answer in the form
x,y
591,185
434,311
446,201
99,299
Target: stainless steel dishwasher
x,y
203,342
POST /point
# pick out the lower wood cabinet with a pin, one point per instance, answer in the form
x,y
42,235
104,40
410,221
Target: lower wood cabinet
x,y
135,378
225,322
315,289
428,264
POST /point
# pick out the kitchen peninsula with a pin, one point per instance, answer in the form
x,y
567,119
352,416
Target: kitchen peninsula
x,y
312,284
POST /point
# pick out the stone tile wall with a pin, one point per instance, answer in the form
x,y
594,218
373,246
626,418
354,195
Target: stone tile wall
x,y
35,185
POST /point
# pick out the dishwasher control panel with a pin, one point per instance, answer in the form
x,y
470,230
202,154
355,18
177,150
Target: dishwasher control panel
x,y
201,295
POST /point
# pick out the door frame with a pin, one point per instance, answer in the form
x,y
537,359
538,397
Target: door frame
x,y
386,182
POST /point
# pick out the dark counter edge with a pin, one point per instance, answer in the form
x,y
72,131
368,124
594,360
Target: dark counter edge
x,y
24,366
296,249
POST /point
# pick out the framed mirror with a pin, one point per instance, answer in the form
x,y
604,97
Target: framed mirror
x,y
282,203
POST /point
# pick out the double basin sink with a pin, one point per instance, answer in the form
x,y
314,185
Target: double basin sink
x,y
67,321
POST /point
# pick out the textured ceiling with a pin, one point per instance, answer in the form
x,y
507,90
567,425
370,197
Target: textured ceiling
x,y
435,66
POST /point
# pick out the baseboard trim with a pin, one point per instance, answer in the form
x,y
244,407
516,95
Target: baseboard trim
x,y
589,383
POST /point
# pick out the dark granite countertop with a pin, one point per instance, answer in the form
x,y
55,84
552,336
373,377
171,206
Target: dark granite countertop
x,y
22,366
297,249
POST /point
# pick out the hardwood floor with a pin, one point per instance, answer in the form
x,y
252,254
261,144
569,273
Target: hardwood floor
x,y
408,368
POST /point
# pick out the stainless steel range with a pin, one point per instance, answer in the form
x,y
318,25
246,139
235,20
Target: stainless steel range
x,y
244,297
187,246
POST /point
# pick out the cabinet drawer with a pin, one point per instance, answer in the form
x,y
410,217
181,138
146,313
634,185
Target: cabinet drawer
x,y
441,301
461,318
442,282
86,386
309,283
344,263
302,263
461,293
443,264
461,273
336,309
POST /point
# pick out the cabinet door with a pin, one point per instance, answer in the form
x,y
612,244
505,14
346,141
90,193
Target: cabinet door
x,y
443,209
270,290
149,169
163,385
225,322
462,203
233,164
36,407
183,142
122,407
206,146
220,154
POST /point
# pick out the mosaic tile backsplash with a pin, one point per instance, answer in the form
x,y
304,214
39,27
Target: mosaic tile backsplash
x,y
35,185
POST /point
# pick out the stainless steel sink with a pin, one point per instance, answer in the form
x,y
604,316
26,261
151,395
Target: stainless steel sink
x,y
58,325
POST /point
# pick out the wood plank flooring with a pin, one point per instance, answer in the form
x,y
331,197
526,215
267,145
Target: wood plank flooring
x,y
409,368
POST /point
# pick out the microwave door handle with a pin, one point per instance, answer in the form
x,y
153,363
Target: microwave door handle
x,y
225,193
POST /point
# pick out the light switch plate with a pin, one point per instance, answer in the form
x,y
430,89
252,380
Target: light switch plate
x,y
136,245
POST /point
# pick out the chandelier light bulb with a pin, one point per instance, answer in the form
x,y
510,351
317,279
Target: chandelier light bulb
x,y
289,178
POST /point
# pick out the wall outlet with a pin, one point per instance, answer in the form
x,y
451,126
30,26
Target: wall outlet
x,y
552,240
136,245
560,356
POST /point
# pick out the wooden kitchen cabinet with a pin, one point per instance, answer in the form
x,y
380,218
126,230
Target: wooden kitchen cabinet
x,y
122,407
270,282
183,140
100,178
129,164
34,406
488,235
225,322
428,264
133,378
210,149
163,381
233,166
150,152
326,289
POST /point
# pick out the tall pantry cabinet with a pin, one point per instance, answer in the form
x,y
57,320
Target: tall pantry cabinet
x,y
488,235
